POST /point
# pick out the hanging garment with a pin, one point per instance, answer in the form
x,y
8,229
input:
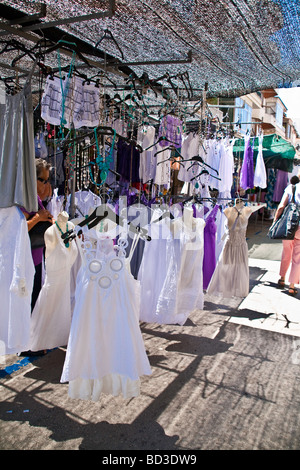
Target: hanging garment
x,y
105,353
16,281
270,189
57,174
231,275
226,170
51,102
163,166
120,126
84,98
172,283
189,149
55,205
247,170
139,214
171,128
209,256
70,102
86,201
17,161
145,138
128,162
212,158
51,316
41,150
260,173
280,185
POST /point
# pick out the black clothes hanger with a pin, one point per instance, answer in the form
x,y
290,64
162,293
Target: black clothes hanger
x,y
198,159
71,46
108,35
99,214
171,147
205,172
164,216
160,139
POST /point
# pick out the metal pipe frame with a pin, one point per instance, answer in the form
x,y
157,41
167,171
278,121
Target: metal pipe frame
x,y
74,19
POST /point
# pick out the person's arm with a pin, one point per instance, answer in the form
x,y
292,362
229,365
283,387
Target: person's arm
x,y
41,216
284,201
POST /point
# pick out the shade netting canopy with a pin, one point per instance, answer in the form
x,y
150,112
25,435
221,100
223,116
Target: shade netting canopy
x,y
234,46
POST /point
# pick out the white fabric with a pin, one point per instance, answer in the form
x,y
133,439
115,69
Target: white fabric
x,y
226,169
16,281
163,168
172,283
55,205
231,275
212,158
81,103
260,173
146,138
51,316
189,149
86,201
51,102
105,352
289,192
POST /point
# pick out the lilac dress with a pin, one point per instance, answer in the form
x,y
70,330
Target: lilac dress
x,y
209,257
247,170
171,128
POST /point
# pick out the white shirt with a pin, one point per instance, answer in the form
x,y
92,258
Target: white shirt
x,y
289,191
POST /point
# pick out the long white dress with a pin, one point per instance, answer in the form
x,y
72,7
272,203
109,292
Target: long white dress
x,y
106,352
171,271
231,275
16,281
260,173
52,313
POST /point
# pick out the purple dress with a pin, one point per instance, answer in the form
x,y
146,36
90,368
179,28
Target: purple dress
x,y
281,183
247,170
209,256
171,128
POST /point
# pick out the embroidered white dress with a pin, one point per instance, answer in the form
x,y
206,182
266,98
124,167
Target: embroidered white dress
x,y
16,281
106,353
172,283
52,313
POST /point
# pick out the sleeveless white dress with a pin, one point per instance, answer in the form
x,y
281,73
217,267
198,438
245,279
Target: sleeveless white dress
x,y
231,275
51,316
105,352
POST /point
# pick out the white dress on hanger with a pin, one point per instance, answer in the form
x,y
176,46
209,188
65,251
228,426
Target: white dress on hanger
x,y
145,138
86,201
16,281
52,313
172,283
226,169
55,205
231,275
260,173
163,165
106,352
189,149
